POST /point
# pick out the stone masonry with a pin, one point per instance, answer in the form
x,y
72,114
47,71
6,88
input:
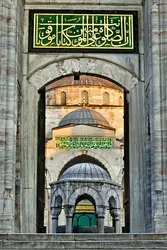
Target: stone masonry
x,y
143,75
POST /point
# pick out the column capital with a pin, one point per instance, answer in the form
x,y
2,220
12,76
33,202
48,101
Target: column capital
x,y
115,213
101,211
55,211
69,210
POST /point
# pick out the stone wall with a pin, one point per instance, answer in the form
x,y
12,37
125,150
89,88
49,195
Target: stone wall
x,y
113,112
41,69
10,79
155,91
148,177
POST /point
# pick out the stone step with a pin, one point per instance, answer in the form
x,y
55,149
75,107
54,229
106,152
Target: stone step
x,y
79,237
83,244
83,241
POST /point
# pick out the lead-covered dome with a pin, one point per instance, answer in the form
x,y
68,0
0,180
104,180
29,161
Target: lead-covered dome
x,y
84,116
85,171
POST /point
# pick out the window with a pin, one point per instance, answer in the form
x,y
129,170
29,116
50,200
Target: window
x,y
84,97
63,98
106,99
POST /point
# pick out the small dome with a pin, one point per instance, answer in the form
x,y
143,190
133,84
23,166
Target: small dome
x,y
85,171
84,116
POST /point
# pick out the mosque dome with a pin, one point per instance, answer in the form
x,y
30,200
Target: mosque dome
x,y
84,80
84,116
85,171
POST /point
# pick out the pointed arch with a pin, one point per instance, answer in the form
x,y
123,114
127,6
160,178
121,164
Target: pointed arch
x,y
115,197
59,192
85,190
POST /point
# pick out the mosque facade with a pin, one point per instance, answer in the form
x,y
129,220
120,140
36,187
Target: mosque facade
x,y
83,151
83,116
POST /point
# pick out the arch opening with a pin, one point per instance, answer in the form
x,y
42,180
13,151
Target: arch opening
x,y
85,218
95,92
81,159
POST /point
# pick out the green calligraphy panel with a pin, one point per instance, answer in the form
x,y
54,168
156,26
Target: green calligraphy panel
x,y
83,31
83,142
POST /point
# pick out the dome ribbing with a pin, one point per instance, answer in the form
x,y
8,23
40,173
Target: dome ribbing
x,y
85,171
84,116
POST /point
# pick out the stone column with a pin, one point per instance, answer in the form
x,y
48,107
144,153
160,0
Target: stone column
x,y
55,216
115,214
117,224
101,211
158,124
100,224
8,112
54,223
137,159
69,211
68,224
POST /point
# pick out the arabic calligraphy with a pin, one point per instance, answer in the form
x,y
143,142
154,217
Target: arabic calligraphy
x,y
83,143
111,31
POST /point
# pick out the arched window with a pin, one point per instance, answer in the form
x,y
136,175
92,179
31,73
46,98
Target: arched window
x,y
63,98
106,98
84,97
120,101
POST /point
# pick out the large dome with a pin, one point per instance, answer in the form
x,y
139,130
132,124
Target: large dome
x,y
85,171
84,116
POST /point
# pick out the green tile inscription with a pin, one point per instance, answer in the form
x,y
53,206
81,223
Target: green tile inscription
x,y
83,142
89,31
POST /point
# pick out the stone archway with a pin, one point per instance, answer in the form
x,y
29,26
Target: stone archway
x,y
86,190
58,192
91,154
101,68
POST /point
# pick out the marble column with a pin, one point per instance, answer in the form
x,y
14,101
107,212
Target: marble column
x,y
54,224
69,211
8,113
158,133
117,224
137,159
100,224
162,195
55,216
29,135
68,224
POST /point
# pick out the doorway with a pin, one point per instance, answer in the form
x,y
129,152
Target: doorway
x,y
102,69
60,100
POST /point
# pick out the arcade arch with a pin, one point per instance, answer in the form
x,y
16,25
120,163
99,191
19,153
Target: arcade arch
x,y
80,157
40,78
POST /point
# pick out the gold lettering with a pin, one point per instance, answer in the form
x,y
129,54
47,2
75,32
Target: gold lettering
x,y
83,31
